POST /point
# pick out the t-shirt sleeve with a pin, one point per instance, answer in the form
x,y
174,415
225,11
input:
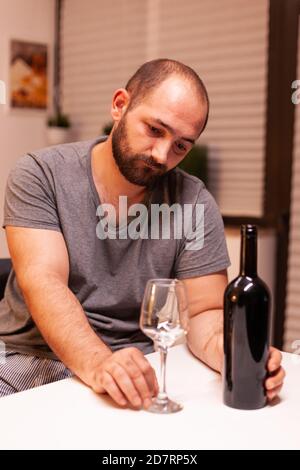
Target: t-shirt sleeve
x,y
29,197
203,250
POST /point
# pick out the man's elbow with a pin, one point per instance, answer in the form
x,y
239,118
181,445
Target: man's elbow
x,y
35,277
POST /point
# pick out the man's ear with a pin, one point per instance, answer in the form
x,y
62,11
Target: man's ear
x,y
120,103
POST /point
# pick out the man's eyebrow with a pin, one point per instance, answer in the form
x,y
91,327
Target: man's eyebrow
x,y
171,130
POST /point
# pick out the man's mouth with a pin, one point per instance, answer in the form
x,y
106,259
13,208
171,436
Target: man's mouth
x,y
150,166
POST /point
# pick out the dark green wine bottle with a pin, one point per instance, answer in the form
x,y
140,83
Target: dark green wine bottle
x,y
246,331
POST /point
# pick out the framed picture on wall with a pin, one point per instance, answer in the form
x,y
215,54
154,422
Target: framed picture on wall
x,y
28,75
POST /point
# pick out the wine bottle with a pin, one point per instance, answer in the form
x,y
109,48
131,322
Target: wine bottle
x,y
246,331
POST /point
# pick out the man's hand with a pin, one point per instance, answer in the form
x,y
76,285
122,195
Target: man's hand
x,y
274,382
205,337
127,377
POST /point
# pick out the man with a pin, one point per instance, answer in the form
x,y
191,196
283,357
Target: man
x,y
73,298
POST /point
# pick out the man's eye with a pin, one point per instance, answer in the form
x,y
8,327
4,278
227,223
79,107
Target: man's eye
x,y
181,147
154,130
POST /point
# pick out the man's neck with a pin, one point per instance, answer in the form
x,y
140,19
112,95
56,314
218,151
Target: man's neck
x,y
110,183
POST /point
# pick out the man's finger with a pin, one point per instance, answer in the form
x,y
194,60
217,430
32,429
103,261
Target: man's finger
x,y
275,380
273,393
112,389
148,372
275,359
137,376
125,384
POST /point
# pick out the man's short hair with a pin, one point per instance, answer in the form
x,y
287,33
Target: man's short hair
x,y
151,74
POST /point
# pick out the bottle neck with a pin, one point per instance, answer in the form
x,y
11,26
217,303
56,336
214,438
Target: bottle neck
x,y
248,262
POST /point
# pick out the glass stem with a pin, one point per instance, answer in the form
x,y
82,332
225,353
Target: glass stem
x,y
162,395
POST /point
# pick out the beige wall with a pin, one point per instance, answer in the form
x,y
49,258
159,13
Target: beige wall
x,y
21,131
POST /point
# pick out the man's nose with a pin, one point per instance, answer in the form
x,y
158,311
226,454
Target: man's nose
x,y
160,153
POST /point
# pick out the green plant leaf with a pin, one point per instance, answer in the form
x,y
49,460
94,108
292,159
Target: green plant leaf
x,y
59,120
195,163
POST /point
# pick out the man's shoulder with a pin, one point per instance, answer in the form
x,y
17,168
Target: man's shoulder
x,y
188,179
185,188
60,160
62,153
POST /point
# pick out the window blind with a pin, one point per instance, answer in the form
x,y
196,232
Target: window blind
x,y
225,41
292,317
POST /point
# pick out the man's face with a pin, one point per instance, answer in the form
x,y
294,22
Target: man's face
x,y
155,136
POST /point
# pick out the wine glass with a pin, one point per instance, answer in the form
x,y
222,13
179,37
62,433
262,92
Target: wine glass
x,y
164,318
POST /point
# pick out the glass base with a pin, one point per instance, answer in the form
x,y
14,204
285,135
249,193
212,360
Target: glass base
x,y
164,407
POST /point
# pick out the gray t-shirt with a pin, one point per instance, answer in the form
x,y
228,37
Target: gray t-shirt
x,y
53,189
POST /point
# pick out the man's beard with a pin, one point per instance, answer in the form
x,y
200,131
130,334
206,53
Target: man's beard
x,y
132,165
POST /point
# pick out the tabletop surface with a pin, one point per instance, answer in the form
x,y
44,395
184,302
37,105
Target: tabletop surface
x,y
69,415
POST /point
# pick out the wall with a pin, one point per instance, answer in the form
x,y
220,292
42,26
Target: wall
x,y
20,130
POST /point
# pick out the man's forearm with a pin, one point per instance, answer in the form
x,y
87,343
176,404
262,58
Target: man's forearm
x,y
205,338
64,325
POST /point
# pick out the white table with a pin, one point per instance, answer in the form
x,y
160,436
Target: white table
x,y
68,415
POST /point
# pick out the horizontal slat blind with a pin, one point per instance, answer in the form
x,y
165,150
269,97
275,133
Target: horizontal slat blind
x,y
225,41
292,319
103,43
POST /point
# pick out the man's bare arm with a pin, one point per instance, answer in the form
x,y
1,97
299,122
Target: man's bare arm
x,y
41,263
205,336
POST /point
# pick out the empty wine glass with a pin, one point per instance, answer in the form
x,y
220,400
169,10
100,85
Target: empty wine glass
x,y
164,318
